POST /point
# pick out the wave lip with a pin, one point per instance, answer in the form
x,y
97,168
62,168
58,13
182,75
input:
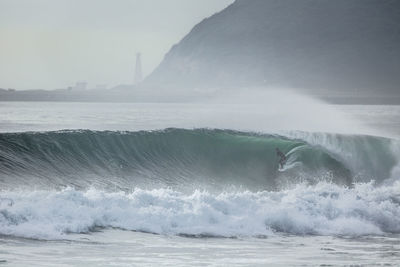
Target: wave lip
x,y
322,209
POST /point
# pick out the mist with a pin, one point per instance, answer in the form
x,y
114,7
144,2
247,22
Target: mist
x,y
50,45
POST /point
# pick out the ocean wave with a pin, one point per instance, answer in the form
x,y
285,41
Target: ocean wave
x,y
321,209
194,158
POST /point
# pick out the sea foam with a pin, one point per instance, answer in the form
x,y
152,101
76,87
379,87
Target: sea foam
x,y
322,209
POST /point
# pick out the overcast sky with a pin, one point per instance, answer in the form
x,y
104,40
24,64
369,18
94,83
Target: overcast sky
x,y
50,44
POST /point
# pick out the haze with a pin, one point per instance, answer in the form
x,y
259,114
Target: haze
x,y
49,44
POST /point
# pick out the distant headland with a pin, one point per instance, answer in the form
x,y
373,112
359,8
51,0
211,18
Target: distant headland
x,y
342,51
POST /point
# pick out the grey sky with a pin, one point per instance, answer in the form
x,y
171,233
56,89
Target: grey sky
x,y
54,43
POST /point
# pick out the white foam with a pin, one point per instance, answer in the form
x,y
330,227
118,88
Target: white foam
x,y
324,209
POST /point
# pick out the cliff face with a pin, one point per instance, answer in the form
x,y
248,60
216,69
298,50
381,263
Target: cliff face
x,y
341,45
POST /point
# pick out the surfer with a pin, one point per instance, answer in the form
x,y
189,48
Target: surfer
x,y
280,154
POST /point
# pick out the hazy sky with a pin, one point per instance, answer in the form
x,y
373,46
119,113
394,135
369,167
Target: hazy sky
x,y
51,44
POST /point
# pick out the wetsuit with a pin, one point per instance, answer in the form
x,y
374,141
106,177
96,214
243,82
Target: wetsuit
x,y
282,156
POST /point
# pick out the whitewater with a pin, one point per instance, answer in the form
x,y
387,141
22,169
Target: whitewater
x,y
187,182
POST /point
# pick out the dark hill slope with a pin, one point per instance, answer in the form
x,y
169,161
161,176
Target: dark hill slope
x,y
345,46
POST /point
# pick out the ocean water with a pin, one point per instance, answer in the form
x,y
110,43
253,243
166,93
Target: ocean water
x,y
172,184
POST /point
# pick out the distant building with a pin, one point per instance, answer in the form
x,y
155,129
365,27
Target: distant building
x,y
78,86
138,69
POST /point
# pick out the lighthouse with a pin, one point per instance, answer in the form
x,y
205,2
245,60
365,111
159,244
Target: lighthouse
x,y
138,69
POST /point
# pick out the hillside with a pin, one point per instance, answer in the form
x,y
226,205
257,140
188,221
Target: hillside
x,y
326,47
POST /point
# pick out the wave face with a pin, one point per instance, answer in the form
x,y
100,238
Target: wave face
x,y
189,158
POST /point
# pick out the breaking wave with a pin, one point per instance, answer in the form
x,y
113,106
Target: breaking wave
x,y
199,157
324,209
199,182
